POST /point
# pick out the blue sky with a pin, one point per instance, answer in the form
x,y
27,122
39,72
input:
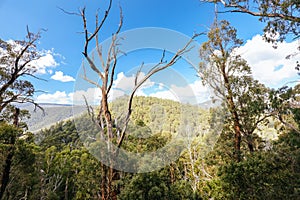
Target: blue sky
x,y
62,43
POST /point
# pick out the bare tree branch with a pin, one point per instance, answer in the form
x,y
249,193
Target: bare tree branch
x,y
153,71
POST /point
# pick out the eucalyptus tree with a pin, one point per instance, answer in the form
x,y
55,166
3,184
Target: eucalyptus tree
x,y
16,63
230,77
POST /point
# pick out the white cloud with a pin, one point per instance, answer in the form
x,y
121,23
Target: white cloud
x,y
126,83
92,96
46,61
59,97
167,94
115,93
192,93
270,65
201,92
59,76
123,85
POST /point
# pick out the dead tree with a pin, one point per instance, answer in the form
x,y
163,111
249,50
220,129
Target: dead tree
x,y
106,72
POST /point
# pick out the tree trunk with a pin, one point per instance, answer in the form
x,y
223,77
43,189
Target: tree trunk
x,y
250,145
107,190
237,140
234,115
172,174
9,158
6,170
67,188
103,182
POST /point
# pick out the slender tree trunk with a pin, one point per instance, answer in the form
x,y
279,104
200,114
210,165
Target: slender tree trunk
x,y
116,190
6,170
67,188
237,140
9,158
250,145
235,117
103,181
172,174
107,189
109,183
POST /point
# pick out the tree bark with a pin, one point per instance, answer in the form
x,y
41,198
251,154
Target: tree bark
x,y
235,117
103,181
251,147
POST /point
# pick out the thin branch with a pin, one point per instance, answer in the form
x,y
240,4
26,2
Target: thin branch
x,y
173,60
115,52
98,27
99,48
67,12
121,21
242,9
94,67
84,77
259,121
102,22
38,78
279,117
89,37
112,73
89,109
270,15
138,74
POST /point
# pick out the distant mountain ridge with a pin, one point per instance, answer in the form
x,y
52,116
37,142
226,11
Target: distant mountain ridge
x,y
54,113
51,114
54,105
26,105
210,104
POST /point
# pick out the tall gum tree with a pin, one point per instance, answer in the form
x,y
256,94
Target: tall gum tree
x,y
230,77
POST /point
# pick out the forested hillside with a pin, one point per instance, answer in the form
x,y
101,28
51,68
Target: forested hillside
x,y
59,166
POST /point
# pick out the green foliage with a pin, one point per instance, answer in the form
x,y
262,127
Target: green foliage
x,y
60,167
157,185
59,135
8,133
72,174
23,168
160,115
264,174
